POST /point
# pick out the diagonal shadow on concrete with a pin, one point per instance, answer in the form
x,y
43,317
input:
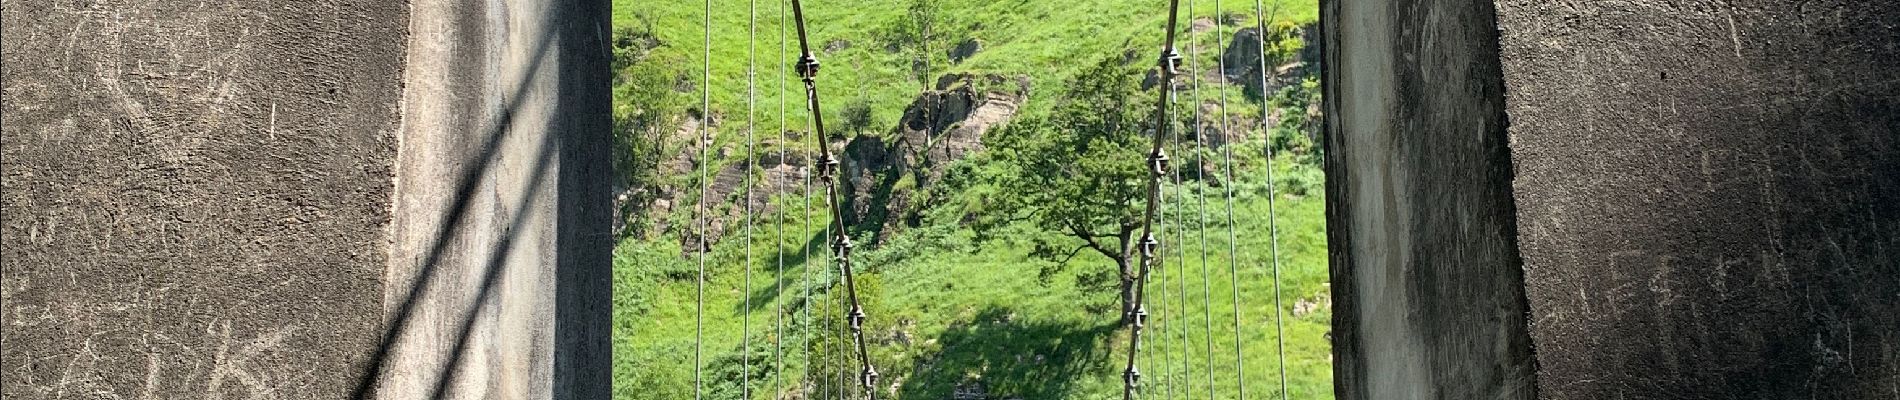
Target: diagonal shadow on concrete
x,y
574,143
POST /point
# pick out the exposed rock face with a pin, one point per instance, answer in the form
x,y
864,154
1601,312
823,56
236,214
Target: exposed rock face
x,y
965,49
783,169
1243,63
941,127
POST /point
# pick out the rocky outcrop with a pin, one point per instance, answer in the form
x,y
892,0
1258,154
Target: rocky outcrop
x,y
782,168
939,128
1242,60
965,49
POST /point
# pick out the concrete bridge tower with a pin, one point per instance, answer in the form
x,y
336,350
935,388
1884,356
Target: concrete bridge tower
x,y
305,199
1647,199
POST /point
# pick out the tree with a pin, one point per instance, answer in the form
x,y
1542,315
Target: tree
x,y
1080,172
646,108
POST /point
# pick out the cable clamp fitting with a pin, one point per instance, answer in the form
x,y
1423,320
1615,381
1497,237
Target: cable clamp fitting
x,y
807,66
827,166
843,247
869,377
1171,60
1158,162
1149,245
857,318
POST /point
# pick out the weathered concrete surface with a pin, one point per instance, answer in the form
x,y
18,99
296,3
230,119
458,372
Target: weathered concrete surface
x,y
502,238
313,199
1709,195
1427,284
195,195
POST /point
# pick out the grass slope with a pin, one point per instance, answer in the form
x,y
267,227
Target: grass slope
x,y
946,312
983,312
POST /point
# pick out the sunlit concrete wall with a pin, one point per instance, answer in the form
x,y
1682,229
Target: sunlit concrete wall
x,y
313,199
1701,198
1427,287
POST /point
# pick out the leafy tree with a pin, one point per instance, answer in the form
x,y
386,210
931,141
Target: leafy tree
x,y
1080,172
916,31
857,116
646,107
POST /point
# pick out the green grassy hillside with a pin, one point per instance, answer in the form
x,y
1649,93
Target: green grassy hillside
x,y
951,313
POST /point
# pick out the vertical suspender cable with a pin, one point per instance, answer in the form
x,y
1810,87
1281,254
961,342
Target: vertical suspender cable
x,y
1200,194
1180,258
1157,165
810,365
1154,319
1273,226
832,389
751,157
699,299
1167,357
828,167
1227,188
778,285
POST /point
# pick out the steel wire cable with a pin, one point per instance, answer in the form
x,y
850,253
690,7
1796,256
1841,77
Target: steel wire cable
x,y
699,209
808,67
1227,189
778,286
699,303
1157,165
751,156
1273,226
1200,194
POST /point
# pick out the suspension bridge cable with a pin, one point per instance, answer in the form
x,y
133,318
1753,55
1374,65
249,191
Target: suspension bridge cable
x,y
811,369
828,167
1227,188
1273,226
699,299
1157,165
1180,258
1166,330
751,156
1200,194
859,70
810,324
778,285
1160,315
832,369
1164,324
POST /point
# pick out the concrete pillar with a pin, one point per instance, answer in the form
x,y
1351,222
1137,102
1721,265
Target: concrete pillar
x,y
305,199
1702,197
1709,196
1427,288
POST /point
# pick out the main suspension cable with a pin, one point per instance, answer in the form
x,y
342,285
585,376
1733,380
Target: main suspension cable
x,y
827,170
1169,64
699,209
813,374
1273,226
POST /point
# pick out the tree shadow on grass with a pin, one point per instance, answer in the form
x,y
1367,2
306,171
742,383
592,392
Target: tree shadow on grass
x,y
1010,358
